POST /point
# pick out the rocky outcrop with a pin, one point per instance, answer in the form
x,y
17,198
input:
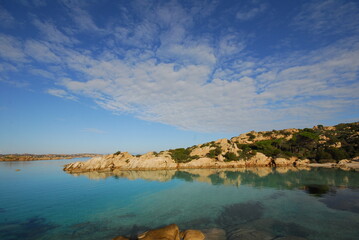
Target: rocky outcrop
x,y
192,235
277,148
126,161
345,164
123,161
170,232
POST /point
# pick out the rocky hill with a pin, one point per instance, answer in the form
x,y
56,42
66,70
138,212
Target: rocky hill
x,y
288,147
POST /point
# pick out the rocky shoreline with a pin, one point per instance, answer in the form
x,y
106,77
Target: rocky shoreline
x,y
319,146
172,232
35,157
149,161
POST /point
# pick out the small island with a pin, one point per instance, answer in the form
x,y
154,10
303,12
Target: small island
x,y
320,146
35,157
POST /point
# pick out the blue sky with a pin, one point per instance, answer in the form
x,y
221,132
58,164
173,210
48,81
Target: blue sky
x,y
102,76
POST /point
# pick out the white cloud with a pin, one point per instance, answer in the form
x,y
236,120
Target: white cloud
x,y
93,130
187,54
42,73
166,74
6,19
61,93
40,51
11,49
35,3
250,94
230,45
7,67
15,82
77,11
51,33
248,14
329,17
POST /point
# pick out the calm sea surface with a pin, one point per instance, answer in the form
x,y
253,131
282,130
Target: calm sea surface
x,y
42,202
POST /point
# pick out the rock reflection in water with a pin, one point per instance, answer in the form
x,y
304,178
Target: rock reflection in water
x,y
314,181
187,176
318,190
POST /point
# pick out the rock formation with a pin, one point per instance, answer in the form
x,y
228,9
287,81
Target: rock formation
x,y
170,232
277,148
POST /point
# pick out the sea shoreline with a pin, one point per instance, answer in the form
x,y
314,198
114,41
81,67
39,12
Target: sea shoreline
x,y
38,157
346,165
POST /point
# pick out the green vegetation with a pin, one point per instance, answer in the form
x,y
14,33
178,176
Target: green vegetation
x,y
284,132
214,152
251,136
307,144
117,153
245,152
320,144
182,155
267,134
229,156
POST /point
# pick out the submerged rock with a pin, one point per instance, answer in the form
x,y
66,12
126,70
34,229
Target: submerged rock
x,y
345,200
290,238
278,228
32,228
214,234
170,232
192,235
240,213
121,238
249,234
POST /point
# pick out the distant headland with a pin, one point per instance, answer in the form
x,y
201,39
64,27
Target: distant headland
x,y
35,157
334,146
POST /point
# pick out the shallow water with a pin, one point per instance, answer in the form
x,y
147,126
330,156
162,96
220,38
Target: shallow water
x,y
42,202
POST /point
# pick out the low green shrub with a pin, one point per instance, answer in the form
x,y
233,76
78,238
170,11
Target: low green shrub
x,y
229,156
182,155
214,152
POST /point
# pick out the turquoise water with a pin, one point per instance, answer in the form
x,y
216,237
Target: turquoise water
x,y
42,202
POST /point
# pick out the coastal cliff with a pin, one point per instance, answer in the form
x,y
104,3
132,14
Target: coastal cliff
x,y
332,146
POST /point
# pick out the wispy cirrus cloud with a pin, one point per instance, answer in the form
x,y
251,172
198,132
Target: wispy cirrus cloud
x,y
11,49
249,13
62,94
51,33
328,17
6,19
93,130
